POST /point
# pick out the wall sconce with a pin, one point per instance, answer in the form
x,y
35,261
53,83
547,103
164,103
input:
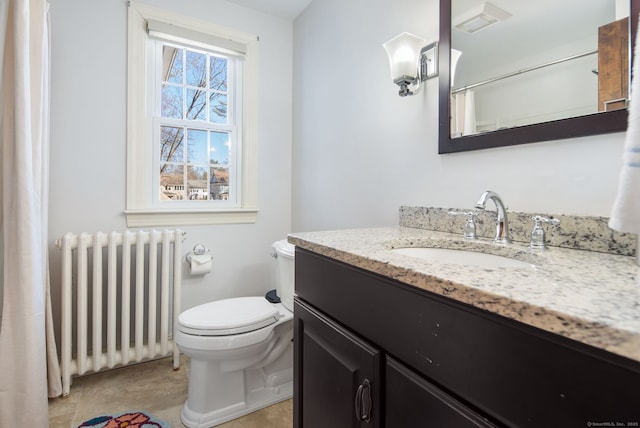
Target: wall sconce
x,y
411,62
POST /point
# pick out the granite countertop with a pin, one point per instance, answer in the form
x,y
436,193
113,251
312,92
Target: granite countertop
x,y
590,297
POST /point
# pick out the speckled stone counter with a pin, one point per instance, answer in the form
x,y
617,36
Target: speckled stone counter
x,y
579,232
586,296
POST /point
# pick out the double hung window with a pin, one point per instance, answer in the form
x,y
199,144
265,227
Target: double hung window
x,y
195,130
191,154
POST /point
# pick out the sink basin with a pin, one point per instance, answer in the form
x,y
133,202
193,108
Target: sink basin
x,y
462,257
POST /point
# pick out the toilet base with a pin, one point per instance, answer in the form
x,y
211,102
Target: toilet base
x,y
231,376
255,399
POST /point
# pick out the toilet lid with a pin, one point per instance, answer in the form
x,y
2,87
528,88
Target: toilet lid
x,y
229,316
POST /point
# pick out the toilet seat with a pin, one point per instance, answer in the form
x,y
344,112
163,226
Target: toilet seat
x,y
228,317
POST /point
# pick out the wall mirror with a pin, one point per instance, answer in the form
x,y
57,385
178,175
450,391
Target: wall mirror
x,y
515,72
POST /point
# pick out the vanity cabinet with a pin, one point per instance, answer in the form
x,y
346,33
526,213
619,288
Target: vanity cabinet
x,y
424,360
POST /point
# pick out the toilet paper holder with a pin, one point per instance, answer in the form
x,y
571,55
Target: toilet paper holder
x,y
200,260
198,250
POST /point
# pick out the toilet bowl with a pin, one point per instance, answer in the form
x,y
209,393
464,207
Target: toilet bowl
x,y
240,349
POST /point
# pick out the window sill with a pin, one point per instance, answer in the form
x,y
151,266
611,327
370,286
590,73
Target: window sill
x,y
148,217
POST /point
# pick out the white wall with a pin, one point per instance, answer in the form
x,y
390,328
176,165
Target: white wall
x,y
361,151
88,139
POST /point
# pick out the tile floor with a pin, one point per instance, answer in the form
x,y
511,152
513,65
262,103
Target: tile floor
x,y
153,387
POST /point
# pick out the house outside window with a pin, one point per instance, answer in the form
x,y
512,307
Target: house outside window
x,y
191,121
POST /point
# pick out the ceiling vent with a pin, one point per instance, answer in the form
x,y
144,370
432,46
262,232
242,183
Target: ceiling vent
x,y
480,18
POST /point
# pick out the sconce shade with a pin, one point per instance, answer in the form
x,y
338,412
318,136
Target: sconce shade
x,y
404,56
455,56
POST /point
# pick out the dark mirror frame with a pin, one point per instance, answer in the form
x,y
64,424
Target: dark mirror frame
x,y
592,124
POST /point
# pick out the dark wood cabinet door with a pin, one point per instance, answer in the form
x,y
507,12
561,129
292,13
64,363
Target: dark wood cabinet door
x,y
337,375
412,401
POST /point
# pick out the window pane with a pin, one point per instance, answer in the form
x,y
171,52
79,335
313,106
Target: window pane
x,y
197,183
171,103
219,152
171,148
219,184
171,182
218,103
196,102
172,64
197,146
196,105
196,69
218,74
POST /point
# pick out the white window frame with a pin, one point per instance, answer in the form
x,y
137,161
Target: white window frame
x,y
141,206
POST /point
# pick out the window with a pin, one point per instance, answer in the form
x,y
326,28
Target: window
x,y
196,133
191,121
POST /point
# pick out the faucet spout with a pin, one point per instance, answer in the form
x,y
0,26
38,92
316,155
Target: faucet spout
x,y
502,224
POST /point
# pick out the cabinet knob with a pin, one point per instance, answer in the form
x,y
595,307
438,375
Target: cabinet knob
x,y
363,402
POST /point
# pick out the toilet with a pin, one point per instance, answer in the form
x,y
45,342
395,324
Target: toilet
x,y
241,350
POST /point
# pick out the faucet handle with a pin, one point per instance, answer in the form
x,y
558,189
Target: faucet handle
x,y
470,225
537,234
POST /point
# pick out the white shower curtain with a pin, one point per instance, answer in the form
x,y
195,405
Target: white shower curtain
x,y
463,113
27,349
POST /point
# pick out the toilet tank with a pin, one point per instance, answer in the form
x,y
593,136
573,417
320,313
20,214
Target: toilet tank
x,y
284,254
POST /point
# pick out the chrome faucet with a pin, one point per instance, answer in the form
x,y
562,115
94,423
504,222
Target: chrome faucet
x,y
502,225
